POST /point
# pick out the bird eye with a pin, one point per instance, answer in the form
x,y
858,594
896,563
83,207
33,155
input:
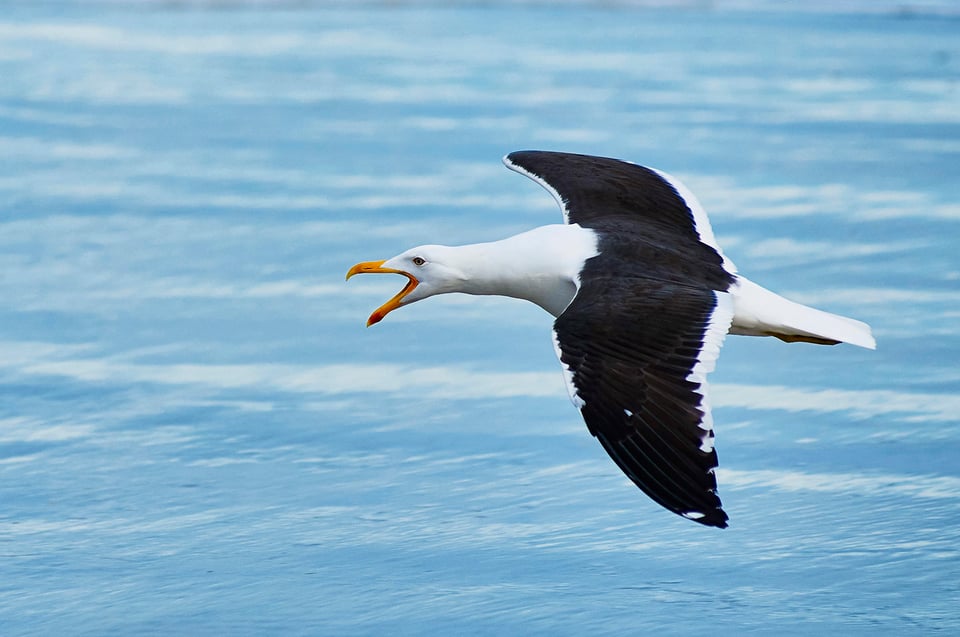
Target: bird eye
x,y
418,260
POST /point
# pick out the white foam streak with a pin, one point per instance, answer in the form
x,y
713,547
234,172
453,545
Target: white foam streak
x,y
434,382
115,39
29,430
863,403
732,200
787,249
885,297
879,485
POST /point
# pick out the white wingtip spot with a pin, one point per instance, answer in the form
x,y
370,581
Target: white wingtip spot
x,y
693,515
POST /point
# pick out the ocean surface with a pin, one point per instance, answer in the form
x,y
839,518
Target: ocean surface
x,y
198,434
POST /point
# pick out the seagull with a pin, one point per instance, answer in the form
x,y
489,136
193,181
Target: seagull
x,y
642,298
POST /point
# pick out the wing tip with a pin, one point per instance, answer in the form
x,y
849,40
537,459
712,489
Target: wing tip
x,y
514,162
509,160
715,517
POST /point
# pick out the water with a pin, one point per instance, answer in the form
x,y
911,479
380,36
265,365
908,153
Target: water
x,y
199,435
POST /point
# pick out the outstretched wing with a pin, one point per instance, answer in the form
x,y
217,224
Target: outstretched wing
x,y
646,325
596,192
636,353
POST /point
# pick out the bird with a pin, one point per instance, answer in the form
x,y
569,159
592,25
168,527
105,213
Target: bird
x,y
642,298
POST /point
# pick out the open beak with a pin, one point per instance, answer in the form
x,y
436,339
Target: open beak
x,y
375,267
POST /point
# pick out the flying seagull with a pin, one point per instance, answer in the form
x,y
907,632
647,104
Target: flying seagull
x,y
643,298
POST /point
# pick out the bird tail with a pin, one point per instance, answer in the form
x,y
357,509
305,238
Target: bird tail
x,y
760,312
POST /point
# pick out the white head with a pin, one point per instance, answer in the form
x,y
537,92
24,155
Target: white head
x,y
429,269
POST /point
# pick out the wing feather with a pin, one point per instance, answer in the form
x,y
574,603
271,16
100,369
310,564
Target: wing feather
x,y
637,351
646,324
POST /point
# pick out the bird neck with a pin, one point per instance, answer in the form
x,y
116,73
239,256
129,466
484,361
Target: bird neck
x,y
541,266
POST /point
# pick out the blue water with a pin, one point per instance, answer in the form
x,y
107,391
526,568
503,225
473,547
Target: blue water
x,y
199,436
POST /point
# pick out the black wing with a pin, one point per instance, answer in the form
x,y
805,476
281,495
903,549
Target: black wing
x,y
621,201
646,324
636,353
591,189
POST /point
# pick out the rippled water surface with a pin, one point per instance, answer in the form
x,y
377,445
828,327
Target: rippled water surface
x,y
199,435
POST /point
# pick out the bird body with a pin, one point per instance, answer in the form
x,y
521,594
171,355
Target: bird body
x,y
643,298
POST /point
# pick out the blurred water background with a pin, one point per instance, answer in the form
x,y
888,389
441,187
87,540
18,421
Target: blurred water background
x,y
198,435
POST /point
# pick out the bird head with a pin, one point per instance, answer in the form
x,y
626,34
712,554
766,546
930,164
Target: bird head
x,y
428,270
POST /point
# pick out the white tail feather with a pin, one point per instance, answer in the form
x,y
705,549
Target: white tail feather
x,y
760,312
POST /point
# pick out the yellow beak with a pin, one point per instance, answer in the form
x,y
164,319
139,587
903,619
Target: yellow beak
x,y
375,267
